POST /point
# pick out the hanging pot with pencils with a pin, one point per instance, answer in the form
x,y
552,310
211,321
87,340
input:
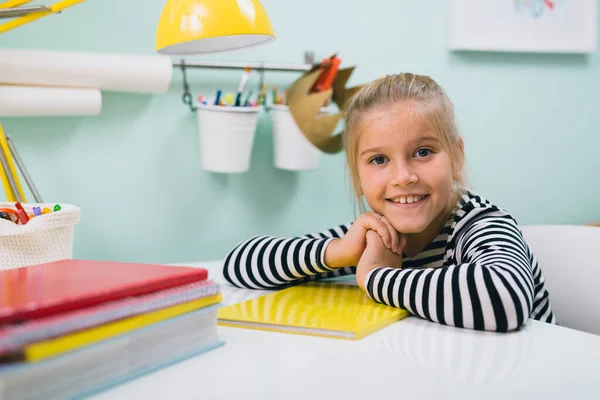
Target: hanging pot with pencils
x,y
226,137
291,149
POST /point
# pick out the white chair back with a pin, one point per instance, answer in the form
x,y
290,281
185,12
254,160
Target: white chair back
x,y
569,256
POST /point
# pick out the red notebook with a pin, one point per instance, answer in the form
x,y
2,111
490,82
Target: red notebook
x,y
66,285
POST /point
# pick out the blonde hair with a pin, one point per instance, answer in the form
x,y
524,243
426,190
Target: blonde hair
x,y
432,105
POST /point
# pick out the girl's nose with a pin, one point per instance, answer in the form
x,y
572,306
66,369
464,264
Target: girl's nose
x,y
404,176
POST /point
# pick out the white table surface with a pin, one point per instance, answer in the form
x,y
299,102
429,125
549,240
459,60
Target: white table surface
x,y
410,359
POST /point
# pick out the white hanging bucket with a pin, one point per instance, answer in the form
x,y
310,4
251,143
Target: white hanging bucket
x,y
226,137
291,149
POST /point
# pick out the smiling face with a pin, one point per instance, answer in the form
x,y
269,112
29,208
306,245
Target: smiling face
x,y
405,171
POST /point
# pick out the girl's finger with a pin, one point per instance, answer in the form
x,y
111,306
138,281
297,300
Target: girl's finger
x,y
377,224
401,243
393,233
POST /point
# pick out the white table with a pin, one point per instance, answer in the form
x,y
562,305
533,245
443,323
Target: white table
x,y
410,359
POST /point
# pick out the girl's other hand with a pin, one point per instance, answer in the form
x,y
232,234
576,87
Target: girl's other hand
x,y
377,255
348,250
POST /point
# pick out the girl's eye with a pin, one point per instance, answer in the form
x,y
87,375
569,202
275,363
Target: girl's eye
x,y
423,152
378,160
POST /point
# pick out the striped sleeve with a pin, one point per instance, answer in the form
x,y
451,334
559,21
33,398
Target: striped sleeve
x,y
268,262
490,288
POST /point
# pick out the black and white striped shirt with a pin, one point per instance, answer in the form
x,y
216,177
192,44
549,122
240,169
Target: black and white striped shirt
x,y
478,273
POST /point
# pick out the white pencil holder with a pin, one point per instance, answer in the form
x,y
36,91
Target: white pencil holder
x,y
44,238
291,149
226,137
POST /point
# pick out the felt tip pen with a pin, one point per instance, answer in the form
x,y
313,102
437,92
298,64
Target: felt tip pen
x,y
238,97
217,98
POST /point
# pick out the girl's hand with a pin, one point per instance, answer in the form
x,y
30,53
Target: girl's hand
x,y
348,250
377,255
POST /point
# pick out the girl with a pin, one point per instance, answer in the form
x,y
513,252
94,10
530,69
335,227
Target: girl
x,y
429,246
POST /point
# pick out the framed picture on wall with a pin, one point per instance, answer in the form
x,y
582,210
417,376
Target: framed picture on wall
x,y
548,26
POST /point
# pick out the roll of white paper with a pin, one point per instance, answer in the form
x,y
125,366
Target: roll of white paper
x,y
32,101
115,72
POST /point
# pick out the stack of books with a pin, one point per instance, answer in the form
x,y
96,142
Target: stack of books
x,y
74,327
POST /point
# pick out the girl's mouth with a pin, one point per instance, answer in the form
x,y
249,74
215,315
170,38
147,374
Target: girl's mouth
x,y
408,200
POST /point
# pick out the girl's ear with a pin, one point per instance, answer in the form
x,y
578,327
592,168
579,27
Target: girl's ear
x,y
459,162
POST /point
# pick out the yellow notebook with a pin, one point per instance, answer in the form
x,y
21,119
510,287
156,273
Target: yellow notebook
x,y
316,308
62,344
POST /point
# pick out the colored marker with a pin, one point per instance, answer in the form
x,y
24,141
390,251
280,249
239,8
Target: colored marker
x,y
218,97
23,217
21,213
229,99
238,97
247,102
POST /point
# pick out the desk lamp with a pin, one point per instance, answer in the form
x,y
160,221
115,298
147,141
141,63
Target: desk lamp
x,y
191,27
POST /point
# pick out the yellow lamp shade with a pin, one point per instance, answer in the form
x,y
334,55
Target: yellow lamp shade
x,y
210,26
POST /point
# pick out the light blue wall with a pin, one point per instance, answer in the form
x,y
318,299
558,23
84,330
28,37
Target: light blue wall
x,y
530,124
